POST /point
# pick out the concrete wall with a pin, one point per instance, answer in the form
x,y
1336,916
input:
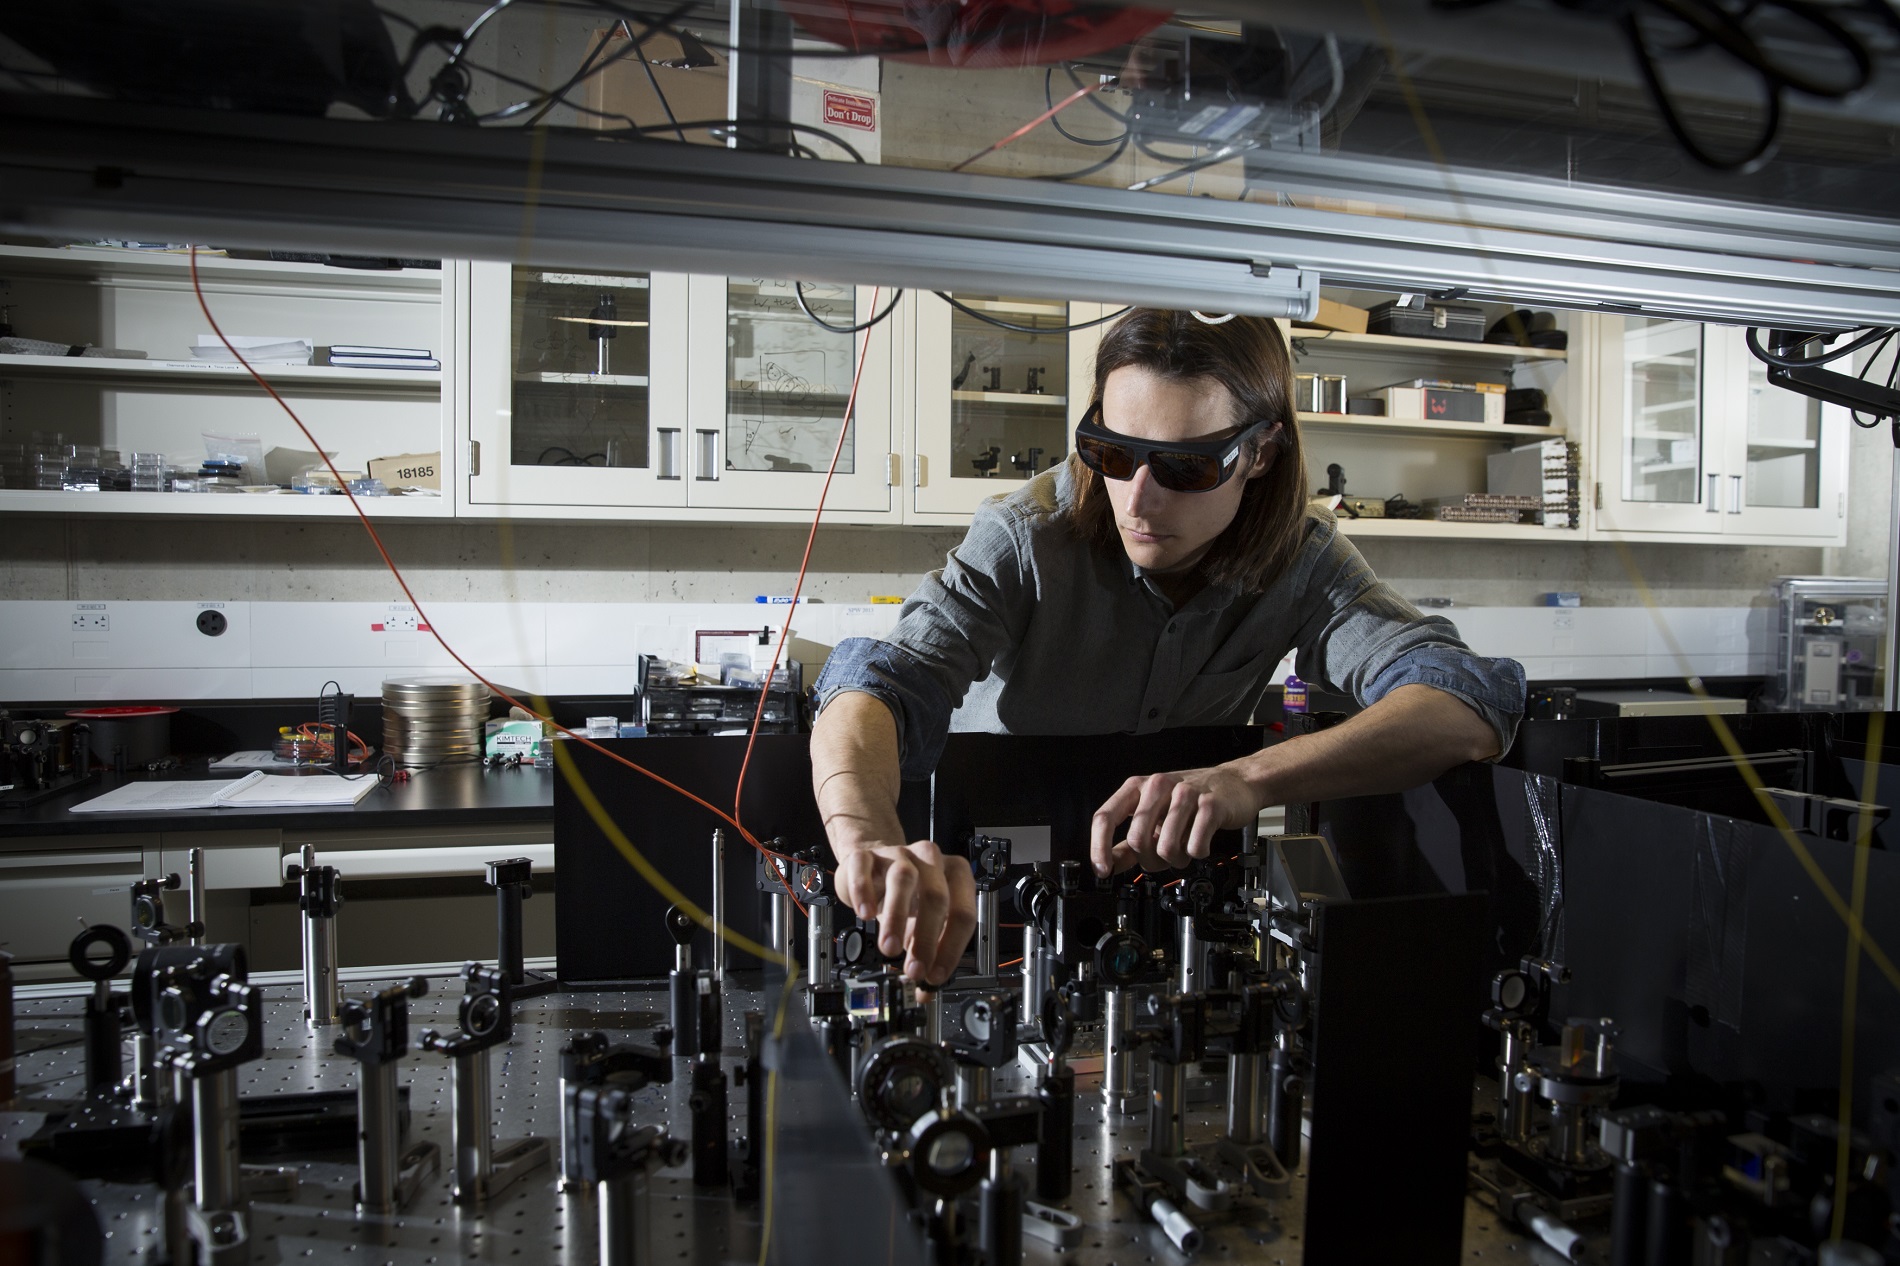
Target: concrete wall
x,y
113,559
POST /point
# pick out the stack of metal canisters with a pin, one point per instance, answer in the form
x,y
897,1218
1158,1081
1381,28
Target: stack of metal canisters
x,y
428,720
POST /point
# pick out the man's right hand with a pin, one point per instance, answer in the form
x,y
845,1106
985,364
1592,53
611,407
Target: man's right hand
x,y
923,901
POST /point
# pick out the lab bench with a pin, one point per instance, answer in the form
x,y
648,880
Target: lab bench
x,y
412,856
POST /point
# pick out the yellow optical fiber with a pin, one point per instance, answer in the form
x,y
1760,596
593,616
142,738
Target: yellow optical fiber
x,y
1726,737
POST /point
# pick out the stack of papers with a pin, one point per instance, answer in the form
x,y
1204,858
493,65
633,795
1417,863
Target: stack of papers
x,y
258,349
257,790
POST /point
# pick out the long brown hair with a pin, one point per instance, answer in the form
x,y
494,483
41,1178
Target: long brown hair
x,y
1247,356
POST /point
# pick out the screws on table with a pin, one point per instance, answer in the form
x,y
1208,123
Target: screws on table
x,y
375,1033
588,1060
210,1021
483,1169
683,981
708,1097
512,880
319,896
148,913
105,1009
605,1149
989,868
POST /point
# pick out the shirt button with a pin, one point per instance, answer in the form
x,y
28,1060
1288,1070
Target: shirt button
x,y
1153,713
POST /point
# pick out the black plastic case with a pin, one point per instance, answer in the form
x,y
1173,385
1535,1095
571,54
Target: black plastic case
x,y
1462,322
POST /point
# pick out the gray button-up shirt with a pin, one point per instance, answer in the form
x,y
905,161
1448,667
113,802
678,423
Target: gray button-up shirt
x,y
1030,629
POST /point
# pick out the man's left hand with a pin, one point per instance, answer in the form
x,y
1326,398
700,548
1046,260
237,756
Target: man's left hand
x,y
1171,818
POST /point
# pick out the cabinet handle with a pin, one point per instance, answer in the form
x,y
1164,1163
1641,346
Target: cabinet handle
x,y
1713,501
708,455
1734,494
923,470
669,452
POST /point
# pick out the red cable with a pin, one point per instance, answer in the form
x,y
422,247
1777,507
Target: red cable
x,y
422,616
758,713
1031,126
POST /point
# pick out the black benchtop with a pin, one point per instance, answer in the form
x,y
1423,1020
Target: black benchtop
x,y
451,795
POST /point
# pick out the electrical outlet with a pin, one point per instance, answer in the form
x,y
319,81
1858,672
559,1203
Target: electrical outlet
x,y
400,621
90,622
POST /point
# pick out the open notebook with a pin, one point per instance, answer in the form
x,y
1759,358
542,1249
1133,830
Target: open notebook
x,y
257,790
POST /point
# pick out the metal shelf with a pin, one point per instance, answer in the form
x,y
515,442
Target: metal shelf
x,y
108,369
1340,340
1406,426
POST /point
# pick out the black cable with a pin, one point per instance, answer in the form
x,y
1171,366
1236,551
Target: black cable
x,y
635,45
1873,360
985,317
707,125
1092,168
1750,160
798,289
1811,362
1095,98
1038,23
658,92
1049,99
572,458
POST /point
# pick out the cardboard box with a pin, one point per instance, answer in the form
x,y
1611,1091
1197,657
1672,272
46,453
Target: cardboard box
x,y
408,470
1436,404
839,95
1343,317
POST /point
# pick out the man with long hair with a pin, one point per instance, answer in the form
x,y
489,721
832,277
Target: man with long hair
x,y
1155,580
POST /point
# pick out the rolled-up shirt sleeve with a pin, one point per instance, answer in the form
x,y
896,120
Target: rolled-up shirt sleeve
x,y
950,633
1359,637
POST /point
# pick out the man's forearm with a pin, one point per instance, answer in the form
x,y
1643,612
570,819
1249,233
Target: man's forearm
x,y
854,770
1404,740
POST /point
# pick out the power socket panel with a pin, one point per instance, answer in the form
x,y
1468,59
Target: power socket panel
x,y
90,622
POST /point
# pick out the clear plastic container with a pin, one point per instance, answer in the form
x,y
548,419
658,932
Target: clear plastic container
x,y
148,472
49,471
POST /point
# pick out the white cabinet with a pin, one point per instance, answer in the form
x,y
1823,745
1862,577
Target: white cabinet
x,y
666,396
577,389
1693,441
994,401
166,402
767,399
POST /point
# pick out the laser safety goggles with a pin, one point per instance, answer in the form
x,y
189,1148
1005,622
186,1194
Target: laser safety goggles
x,y
1179,466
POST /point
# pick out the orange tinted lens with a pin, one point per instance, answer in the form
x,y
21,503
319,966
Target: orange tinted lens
x,y
1185,472
1109,458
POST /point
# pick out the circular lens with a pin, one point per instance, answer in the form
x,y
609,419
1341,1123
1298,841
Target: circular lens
x,y
950,1153
171,1013
1513,989
225,1032
976,1021
484,1013
909,1094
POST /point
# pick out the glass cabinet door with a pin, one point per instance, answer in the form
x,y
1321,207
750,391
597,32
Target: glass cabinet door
x,y
1655,388
577,389
769,390
1000,384
1789,457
